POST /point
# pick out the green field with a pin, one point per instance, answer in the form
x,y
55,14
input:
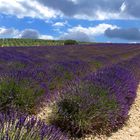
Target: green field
x,y
8,42
29,42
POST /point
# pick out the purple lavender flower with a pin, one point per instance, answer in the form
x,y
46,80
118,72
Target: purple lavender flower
x,y
29,128
99,102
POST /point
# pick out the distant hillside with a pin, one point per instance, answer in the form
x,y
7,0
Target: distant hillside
x,y
33,42
29,42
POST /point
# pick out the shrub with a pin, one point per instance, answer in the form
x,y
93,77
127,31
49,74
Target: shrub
x,y
70,42
62,72
14,127
99,103
19,92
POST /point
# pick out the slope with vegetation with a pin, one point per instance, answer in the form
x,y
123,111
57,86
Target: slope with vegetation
x,y
35,42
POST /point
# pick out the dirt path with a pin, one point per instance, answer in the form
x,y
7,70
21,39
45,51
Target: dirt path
x,y
44,113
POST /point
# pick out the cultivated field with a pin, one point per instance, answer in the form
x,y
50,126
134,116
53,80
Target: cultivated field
x,y
18,42
29,42
69,92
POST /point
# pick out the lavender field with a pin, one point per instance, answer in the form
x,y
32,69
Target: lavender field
x,y
88,89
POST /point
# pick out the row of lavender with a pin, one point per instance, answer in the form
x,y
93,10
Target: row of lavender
x,y
26,74
98,103
16,127
46,70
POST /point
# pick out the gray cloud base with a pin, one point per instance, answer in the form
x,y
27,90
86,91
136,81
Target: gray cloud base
x,y
90,7
79,36
132,34
9,31
84,9
29,33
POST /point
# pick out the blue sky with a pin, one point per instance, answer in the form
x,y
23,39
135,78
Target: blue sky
x,y
83,20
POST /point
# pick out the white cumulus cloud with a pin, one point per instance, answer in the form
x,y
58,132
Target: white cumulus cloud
x,y
60,24
87,33
26,8
94,30
8,32
26,33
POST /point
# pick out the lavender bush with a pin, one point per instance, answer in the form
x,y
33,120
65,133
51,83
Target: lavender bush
x,y
15,127
19,91
62,72
98,104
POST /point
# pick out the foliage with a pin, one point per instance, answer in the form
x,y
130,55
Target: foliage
x,y
63,72
15,127
29,42
70,42
34,76
19,92
99,103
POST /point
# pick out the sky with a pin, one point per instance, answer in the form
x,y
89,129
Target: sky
x,y
116,21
